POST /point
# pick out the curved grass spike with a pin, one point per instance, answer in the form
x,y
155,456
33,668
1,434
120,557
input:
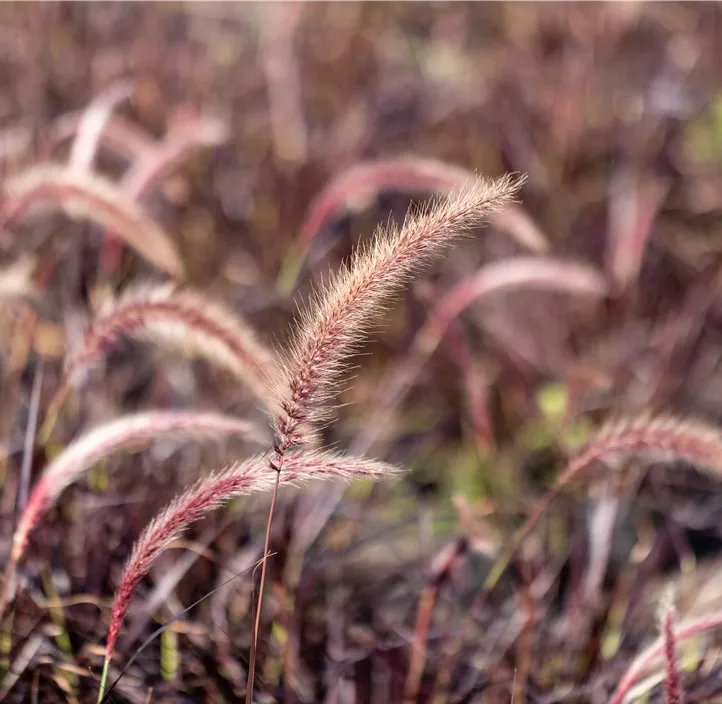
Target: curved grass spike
x,y
673,692
679,632
676,438
184,321
82,195
128,431
189,132
338,317
212,492
363,182
119,136
519,273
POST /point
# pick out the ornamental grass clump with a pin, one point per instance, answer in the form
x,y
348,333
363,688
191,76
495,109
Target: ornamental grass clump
x,y
329,332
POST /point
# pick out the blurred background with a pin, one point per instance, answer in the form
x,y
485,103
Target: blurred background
x,y
326,120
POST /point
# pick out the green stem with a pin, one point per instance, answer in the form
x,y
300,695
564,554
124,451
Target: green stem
x,y
103,680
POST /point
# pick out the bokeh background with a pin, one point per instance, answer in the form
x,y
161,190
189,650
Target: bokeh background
x,y
614,113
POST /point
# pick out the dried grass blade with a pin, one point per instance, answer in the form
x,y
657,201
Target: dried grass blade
x,y
189,134
92,197
443,565
120,136
92,125
210,493
29,442
22,661
632,211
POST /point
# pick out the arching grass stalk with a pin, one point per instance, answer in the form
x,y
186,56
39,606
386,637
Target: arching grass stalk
x,y
129,431
180,320
339,316
248,477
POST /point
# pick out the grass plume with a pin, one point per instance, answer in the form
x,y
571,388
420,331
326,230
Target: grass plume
x,y
681,632
661,438
673,693
184,321
338,316
212,492
85,196
81,455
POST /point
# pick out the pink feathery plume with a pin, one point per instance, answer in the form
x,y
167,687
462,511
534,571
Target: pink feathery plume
x,y
337,318
250,476
185,321
662,438
126,432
